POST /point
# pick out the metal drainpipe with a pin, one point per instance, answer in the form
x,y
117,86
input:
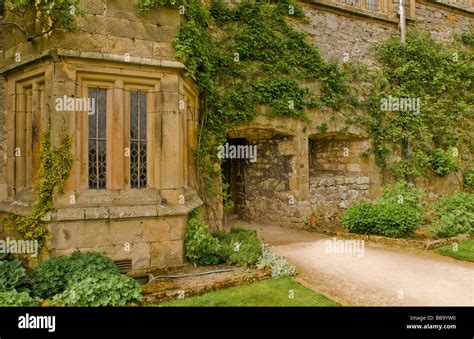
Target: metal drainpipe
x,y
403,26
403,33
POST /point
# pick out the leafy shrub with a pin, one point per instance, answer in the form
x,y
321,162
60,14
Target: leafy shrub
x,y
405,193
14,298
240,247
398,213
360,217
443,162
52,276
103,289
277,264
383,218
454,215
5,256
468,37
12,276
468,179
201,247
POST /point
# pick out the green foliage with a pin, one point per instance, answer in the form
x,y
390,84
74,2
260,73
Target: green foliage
x,y
48,15
246,57
201,247
408,143
12,276
390,219
406,193
102,289
52,276
468,179
14,298
454,215
443,162
468,38
239,247
56,162
278,266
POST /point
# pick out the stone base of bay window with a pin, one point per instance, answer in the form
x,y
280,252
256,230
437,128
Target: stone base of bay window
x,y
145,236
147,243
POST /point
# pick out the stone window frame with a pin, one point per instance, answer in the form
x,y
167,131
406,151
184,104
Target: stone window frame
x,y
26,112
117,128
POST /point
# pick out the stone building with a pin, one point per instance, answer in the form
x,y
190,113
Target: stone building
x,y
304,176
131,185
133,180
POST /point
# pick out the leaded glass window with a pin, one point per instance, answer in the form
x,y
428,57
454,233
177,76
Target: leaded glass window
x,y
372,5
138,140
97,139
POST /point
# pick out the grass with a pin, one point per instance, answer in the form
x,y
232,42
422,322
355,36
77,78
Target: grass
x,y
273,292
464,250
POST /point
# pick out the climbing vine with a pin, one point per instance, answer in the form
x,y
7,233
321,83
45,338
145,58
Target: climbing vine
x,y
36,18
247,58
437,77
55,164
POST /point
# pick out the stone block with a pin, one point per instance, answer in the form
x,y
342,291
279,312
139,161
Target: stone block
x,y
92,234
93,7
64,235
97,213
177,227
118,212
363,180
121,232
167,254
156,230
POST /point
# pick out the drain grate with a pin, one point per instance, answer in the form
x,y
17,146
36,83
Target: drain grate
x,y
124,266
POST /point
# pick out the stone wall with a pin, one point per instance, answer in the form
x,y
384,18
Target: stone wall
x,y
442,21
339,176
147,242
336,34
123,51
339,32
113,27
3,124
269,193
343,156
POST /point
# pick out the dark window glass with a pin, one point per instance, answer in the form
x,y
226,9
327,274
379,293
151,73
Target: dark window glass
x,y
97,139
138,164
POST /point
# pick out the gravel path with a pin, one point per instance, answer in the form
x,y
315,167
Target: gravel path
x,y
381,276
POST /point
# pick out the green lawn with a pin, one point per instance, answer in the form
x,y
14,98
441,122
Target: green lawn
x,y
465,250
273,292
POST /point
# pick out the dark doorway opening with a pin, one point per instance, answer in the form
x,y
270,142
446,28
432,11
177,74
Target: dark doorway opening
x,y
234,176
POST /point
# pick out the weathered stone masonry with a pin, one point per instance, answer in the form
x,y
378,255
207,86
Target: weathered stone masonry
x,y
302,175
326,172
119,53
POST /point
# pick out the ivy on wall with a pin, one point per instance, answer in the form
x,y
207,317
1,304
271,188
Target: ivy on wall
x,y
55,165
436,133
37,18
247,58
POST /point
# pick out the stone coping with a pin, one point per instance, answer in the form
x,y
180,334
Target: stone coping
x,y
421,244
105,212
122,212
59,52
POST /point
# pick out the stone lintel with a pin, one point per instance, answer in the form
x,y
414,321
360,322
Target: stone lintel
x,y
54,53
